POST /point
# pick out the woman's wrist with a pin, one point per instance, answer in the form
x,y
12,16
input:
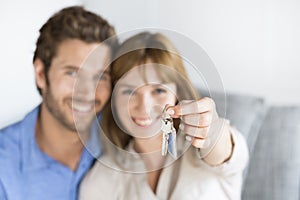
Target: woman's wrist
x,y
221,144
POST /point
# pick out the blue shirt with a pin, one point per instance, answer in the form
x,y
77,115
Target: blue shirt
x,y
28,173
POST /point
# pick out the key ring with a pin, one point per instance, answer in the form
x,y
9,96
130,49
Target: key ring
x,y
165,116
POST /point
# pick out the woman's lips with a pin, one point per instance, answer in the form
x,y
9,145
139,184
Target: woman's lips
x,y
144,122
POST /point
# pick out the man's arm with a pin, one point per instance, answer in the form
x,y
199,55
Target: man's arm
x,y
2,192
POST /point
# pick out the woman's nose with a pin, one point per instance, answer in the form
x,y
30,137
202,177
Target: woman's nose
x,y
144,103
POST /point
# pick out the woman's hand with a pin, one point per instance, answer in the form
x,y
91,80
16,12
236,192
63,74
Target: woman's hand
x,y
204,129
197,118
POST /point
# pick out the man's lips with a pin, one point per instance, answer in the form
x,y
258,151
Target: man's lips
x,y
82,107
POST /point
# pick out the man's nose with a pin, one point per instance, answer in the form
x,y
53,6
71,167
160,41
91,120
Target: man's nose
x,y
85,86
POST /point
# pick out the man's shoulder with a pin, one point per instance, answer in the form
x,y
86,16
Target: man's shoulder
x,y
11,128
11,142
10,154
10,135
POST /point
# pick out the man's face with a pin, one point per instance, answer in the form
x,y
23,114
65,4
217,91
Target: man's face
x,y
78,88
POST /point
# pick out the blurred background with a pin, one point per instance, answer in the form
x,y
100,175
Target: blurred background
x,y
253,44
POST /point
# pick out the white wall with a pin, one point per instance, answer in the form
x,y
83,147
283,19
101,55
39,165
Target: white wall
x,y
254,44
20,22
126,15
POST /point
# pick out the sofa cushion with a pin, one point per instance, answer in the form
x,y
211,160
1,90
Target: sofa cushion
x,y
274,169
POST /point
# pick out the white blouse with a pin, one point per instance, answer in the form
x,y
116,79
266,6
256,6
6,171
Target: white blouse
x,y
189,177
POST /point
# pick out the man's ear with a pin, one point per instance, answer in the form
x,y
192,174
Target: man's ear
x,y
39,71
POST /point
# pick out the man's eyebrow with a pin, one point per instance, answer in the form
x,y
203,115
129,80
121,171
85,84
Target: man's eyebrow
x,y
71,67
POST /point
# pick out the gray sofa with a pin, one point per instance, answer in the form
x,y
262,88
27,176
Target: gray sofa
x,y
273,137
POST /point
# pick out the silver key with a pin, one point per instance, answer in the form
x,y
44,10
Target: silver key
x,y
166,129
169,135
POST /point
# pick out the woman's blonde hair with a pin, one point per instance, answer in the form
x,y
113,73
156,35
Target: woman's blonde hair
x,y
139,50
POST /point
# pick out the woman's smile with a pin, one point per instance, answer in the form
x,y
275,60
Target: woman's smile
x,y
144,122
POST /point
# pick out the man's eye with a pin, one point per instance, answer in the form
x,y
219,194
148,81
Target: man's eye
x,y
72,73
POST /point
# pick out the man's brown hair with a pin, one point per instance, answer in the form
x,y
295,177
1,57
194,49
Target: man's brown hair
x,y
71,23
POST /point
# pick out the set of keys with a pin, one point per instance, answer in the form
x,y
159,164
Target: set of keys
x,y
168,135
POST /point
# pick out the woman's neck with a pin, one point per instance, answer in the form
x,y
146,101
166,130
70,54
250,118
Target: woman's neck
x,y
147,145
150,150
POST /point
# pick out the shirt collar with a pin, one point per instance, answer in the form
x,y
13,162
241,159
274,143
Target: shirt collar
x,y
33,158
93,144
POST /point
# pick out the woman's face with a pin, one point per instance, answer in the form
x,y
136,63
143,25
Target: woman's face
x,y
139,105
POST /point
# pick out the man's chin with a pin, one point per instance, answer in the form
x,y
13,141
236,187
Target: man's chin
x,y
78,127
82,128
83,123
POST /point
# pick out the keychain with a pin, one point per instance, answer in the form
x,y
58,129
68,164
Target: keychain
x,y
169,135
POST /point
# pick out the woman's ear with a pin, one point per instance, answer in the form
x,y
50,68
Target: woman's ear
x,y
39,71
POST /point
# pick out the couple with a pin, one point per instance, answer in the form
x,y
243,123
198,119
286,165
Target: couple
x,y
43,156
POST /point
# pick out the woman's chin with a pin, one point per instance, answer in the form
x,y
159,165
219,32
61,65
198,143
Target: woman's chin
x,y
145,130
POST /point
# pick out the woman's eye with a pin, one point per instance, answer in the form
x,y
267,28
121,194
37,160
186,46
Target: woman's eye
x,y
103,77
127,92
160,90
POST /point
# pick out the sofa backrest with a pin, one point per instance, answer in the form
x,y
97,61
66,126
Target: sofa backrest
x,y
245,112
274,169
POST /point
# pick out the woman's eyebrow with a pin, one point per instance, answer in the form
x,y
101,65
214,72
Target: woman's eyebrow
x,y
103,72
127,85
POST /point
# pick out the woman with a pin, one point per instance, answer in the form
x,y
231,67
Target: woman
x,y
149,81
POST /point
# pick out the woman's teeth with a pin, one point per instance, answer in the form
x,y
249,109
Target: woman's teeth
x,y
143,122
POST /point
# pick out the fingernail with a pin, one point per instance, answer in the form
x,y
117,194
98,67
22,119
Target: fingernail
x,y
188,138
170,111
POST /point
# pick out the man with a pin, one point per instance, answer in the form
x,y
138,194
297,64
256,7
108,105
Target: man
x,y
42,156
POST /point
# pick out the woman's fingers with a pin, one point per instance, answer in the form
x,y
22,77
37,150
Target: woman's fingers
x,y
200,120
194,131
198,142
188,107
197,117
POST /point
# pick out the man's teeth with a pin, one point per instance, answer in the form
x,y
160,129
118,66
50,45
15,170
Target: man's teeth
x,y
143,122
82,108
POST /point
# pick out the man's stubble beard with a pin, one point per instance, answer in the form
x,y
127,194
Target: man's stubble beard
x,y
53,106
